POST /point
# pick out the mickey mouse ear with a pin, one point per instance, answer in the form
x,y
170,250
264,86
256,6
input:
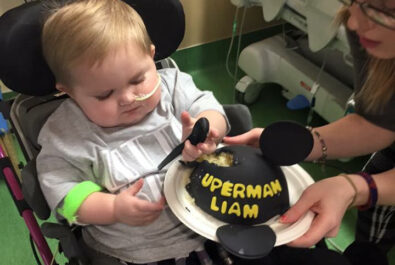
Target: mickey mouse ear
x,y
286,143
249,242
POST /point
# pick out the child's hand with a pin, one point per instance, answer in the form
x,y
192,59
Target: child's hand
x,y
191,152
131,210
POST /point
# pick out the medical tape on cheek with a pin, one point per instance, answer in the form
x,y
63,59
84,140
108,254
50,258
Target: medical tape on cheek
x,y
76,196
146,96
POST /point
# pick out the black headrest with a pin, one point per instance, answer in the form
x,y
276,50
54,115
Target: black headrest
x,y
22,66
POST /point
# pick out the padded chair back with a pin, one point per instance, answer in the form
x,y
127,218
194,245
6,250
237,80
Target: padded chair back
x,y
28,115
239,117
22,66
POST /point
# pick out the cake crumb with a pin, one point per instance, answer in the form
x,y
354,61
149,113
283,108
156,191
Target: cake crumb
x,y
223,159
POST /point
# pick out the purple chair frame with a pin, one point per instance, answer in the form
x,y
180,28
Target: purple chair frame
x,y
14,186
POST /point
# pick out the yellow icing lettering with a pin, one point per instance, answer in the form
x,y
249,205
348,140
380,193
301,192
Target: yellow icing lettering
x,y
245,211
239,191
254,192
207,179
250,211
267,191
213,205
224,207
215,184
227,189
276,186
235,209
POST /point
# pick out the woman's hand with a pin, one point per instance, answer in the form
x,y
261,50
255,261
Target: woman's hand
x,y
131,210
250,138
329,200
191,152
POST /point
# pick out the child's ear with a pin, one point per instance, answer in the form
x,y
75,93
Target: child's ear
x,y
152,51
62,88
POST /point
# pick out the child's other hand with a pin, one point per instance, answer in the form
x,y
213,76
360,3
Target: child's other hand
x,y
131,210
191,152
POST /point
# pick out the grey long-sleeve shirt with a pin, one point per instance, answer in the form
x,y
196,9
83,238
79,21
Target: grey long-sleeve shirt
x,y
74,150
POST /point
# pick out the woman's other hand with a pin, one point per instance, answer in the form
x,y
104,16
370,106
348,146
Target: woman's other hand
x,y
329,200
250,138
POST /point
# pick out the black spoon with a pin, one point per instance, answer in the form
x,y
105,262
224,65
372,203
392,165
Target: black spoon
x,y
198,135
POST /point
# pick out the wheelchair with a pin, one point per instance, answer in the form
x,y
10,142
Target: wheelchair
x,y
23,70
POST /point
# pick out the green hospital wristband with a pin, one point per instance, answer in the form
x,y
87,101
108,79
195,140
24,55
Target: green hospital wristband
x,y
75,198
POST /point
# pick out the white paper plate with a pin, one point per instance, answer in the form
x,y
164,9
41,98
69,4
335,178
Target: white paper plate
x,y
182,205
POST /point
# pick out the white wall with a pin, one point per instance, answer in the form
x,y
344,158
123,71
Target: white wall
x,y
8,4
211,20
206,20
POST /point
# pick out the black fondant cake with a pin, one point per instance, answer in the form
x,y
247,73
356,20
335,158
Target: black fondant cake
x,y
238,186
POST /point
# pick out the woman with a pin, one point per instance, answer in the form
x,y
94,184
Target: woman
x,y
371,26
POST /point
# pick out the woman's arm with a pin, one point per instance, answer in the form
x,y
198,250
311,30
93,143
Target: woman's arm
x,y
351,136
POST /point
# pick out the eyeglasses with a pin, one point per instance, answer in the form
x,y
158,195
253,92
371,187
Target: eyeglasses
x,y
380,16
141,97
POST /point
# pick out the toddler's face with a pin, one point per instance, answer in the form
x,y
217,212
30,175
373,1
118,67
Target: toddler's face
x,y
107,93
378,40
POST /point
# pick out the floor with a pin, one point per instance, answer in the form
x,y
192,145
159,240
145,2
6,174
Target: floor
x,y
206,63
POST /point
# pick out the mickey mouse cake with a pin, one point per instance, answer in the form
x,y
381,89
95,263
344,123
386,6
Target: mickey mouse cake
x,y
237,185
243,187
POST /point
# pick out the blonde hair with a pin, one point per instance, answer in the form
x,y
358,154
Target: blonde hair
x,y
88,30
379,85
